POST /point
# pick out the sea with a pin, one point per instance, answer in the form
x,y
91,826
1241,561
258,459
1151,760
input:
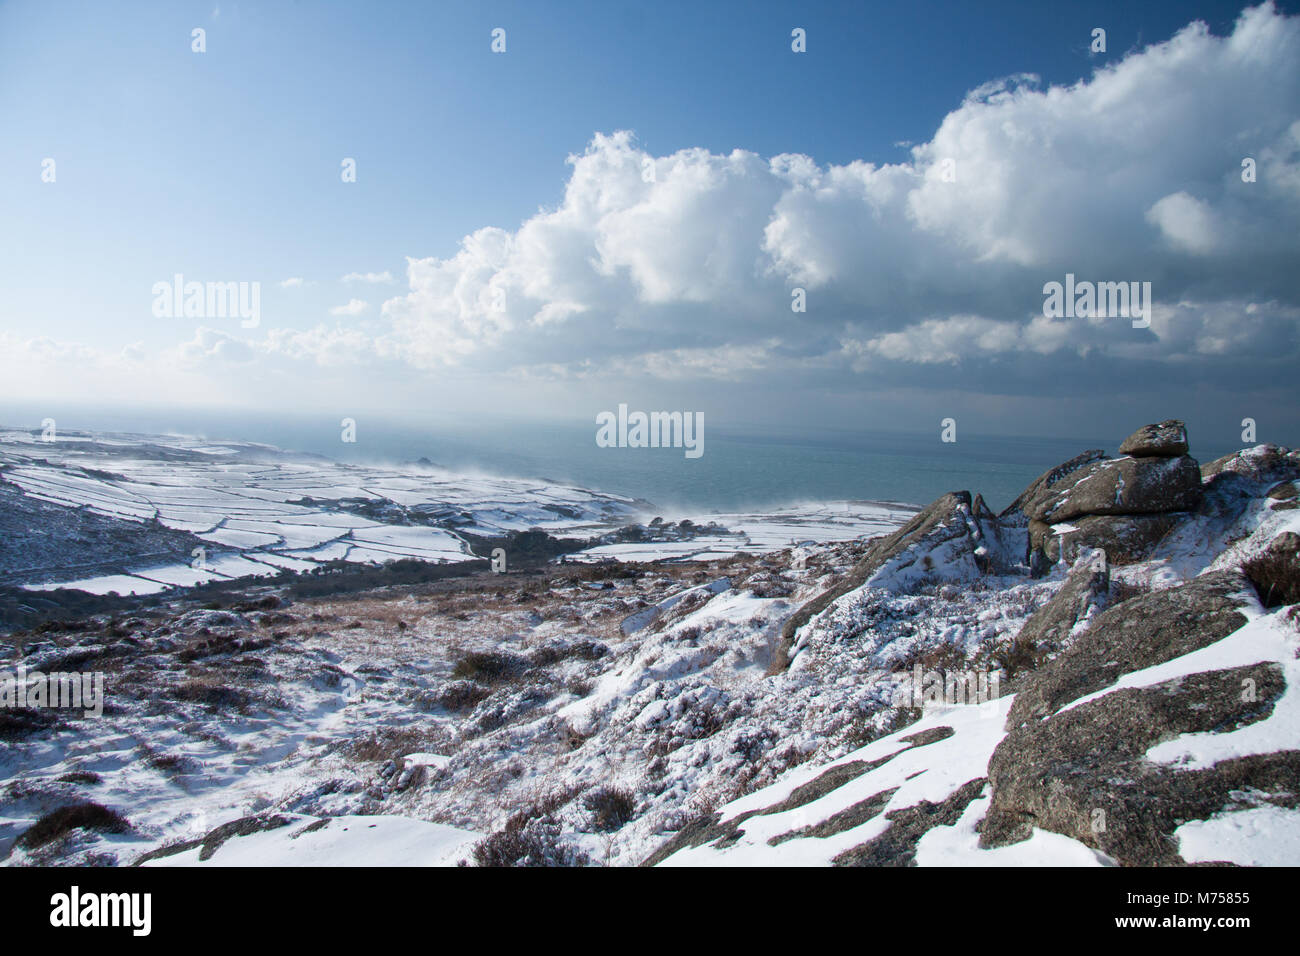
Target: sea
x,y
742,469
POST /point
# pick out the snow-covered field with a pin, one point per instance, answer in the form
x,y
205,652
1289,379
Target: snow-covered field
x,y
763,532
258,510
611,713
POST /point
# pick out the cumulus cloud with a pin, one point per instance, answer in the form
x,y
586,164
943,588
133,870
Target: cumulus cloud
x,y
1186,222
294,282
212,345
941,340
685,264
41,351
353,307
322,345
922,273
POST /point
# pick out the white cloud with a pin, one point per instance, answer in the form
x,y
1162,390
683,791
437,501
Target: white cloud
x,y
323,345
213,345
1179,332
941,340
1186,222
353,307
728,362
21,352
296,282
679,268
1132,174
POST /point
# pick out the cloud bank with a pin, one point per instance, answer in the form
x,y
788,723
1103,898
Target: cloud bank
x,y
687,262
921,274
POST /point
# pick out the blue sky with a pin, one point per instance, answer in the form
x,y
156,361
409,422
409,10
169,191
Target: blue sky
x,y
225,166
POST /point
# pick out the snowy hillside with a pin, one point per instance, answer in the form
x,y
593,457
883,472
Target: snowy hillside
x,y
1156,720
1113,686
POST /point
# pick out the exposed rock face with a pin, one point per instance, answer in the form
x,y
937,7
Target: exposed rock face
x,y
1125,505
1286,491
1017,513
897,845
948,526
1267,463
1084,592
1163,440
1145,630
1084,773
1052,770
1122,486
1124,538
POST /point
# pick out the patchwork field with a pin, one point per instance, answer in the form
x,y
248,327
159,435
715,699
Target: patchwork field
x,y
137,514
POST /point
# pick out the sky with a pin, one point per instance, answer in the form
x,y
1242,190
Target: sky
x,y
625,203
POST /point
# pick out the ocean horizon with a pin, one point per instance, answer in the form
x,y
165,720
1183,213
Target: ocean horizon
x,y
742,468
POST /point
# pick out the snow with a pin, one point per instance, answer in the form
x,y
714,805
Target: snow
x,y
675,706
1275,732
643,618
103,584
763,532
1264,638
1260,836
176,575
958,845
930,772
250,497
342,841
426,760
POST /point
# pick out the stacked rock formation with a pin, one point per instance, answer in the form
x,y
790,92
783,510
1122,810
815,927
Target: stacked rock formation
x,y
1123,505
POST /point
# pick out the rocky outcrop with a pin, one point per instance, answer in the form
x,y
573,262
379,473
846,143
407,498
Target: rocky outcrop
x,y
1284,492
1262,463
1164,440
1124,538
1122,486
1125,505
897,845
1075,761
1145,630
1085,592
946,539
1017,513
1084,773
